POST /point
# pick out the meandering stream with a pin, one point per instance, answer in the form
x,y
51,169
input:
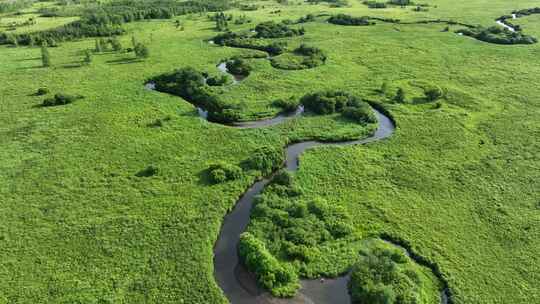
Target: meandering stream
x,y
237,283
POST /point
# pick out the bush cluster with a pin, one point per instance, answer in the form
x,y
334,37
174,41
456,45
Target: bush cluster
x,y
287,104
361,113
280,279
190,84
222,171
385,274
242,40
271,29
238,66
295,226
306,57
374,4
218,80
60,99
498,35
343,19
266,159
42,91
328,102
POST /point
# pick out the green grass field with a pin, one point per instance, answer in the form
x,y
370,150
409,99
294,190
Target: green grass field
x,y
460,182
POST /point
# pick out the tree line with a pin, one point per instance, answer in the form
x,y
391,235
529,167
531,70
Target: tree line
x,y
107,19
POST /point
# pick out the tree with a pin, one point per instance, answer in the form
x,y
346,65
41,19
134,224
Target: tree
x,y
115,43
98,48
141,51
87,57
400,96
45,56
433,94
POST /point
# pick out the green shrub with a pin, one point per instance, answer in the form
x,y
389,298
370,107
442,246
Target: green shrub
x,y
60,99
287,104
384,274
400,96
328,102
218,80
280,279
498,35
433,93
343,19
147,172
374,4
221,171
361,113
271,29
238,66
266,159
42,91
283,178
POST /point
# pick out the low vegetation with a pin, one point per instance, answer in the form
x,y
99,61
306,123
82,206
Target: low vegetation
x,y
343,19
303,57
222,171
272,29
498,35
385,274
265,159
60,99
191,85
239,66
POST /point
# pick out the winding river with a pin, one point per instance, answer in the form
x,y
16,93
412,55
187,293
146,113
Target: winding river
x,y
236,282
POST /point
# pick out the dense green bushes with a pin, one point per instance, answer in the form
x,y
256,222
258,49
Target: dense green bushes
x,y
361,113
375,4
297,228
189,84
218,80
238,66
271,29
315,55
498,35
287,104
42,91
303,57
385,274
221,171
244,41
351,107
60,99
266,159
343,19
280,279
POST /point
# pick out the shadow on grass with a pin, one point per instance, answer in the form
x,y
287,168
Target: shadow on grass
x,y
124,60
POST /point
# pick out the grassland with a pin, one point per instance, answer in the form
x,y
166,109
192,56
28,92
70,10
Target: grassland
x,y
460,182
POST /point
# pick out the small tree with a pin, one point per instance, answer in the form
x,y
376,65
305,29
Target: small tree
x,y
104,44
45,56
87,57
115,43
400,96
98,48
141,51
384,88
433,94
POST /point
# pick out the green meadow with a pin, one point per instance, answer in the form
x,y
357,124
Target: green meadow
x,y
459,180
